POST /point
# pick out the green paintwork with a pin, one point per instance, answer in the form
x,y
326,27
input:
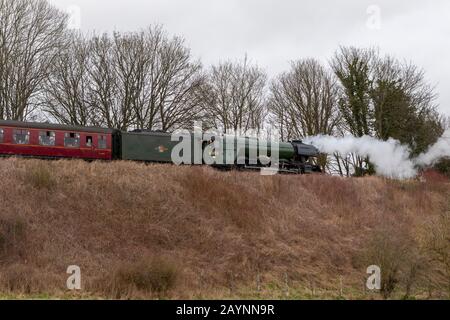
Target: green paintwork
x,y
157,147
237,148
151,146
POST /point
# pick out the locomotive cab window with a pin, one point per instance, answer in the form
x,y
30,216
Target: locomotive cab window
x,y
47,138
1,135
89,141
21,136
102,142
72,140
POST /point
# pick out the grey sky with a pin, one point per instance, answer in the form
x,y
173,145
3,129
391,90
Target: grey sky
x,y
273,32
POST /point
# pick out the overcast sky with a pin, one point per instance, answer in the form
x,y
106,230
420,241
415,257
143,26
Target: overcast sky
x,y
274,32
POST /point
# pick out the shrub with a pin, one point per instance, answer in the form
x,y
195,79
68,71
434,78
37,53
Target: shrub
x,y
395,252
154,277
40,176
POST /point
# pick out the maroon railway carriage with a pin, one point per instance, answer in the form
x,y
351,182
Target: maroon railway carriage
x,y
55,141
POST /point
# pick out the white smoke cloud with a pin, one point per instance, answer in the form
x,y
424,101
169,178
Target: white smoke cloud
x,y
390,158
436,152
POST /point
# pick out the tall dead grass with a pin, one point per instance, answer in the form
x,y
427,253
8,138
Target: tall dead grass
x,y
217,231
154,277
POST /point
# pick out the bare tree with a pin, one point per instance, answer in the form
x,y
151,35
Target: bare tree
x,y
233,98
97,81
106,89
31,35
67,90
304,100
169,100
141,79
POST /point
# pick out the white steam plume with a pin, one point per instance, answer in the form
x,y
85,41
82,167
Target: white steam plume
x,y
437,151
390,158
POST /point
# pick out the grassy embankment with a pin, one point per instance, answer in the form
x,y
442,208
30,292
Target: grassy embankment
x,y
172,232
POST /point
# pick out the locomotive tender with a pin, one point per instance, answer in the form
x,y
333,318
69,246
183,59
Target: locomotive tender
x,y
56,141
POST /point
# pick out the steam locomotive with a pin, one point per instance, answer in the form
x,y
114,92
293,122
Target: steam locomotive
x,y
56,141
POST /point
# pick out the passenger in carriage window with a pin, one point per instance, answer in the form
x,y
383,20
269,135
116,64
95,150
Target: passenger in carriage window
x,y
88,141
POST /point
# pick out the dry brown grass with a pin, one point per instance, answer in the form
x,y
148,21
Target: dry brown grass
x,y
22,279
39,176
12,236
215,232
154,277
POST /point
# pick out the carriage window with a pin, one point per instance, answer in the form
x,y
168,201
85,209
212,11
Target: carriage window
x,y
88,141
1,135
47,138
21,136
102,142
72,140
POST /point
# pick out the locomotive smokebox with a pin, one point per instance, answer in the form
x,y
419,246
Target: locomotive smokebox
x,y
305,150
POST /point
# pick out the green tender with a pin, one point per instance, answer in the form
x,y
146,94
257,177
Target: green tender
x,y
147,146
